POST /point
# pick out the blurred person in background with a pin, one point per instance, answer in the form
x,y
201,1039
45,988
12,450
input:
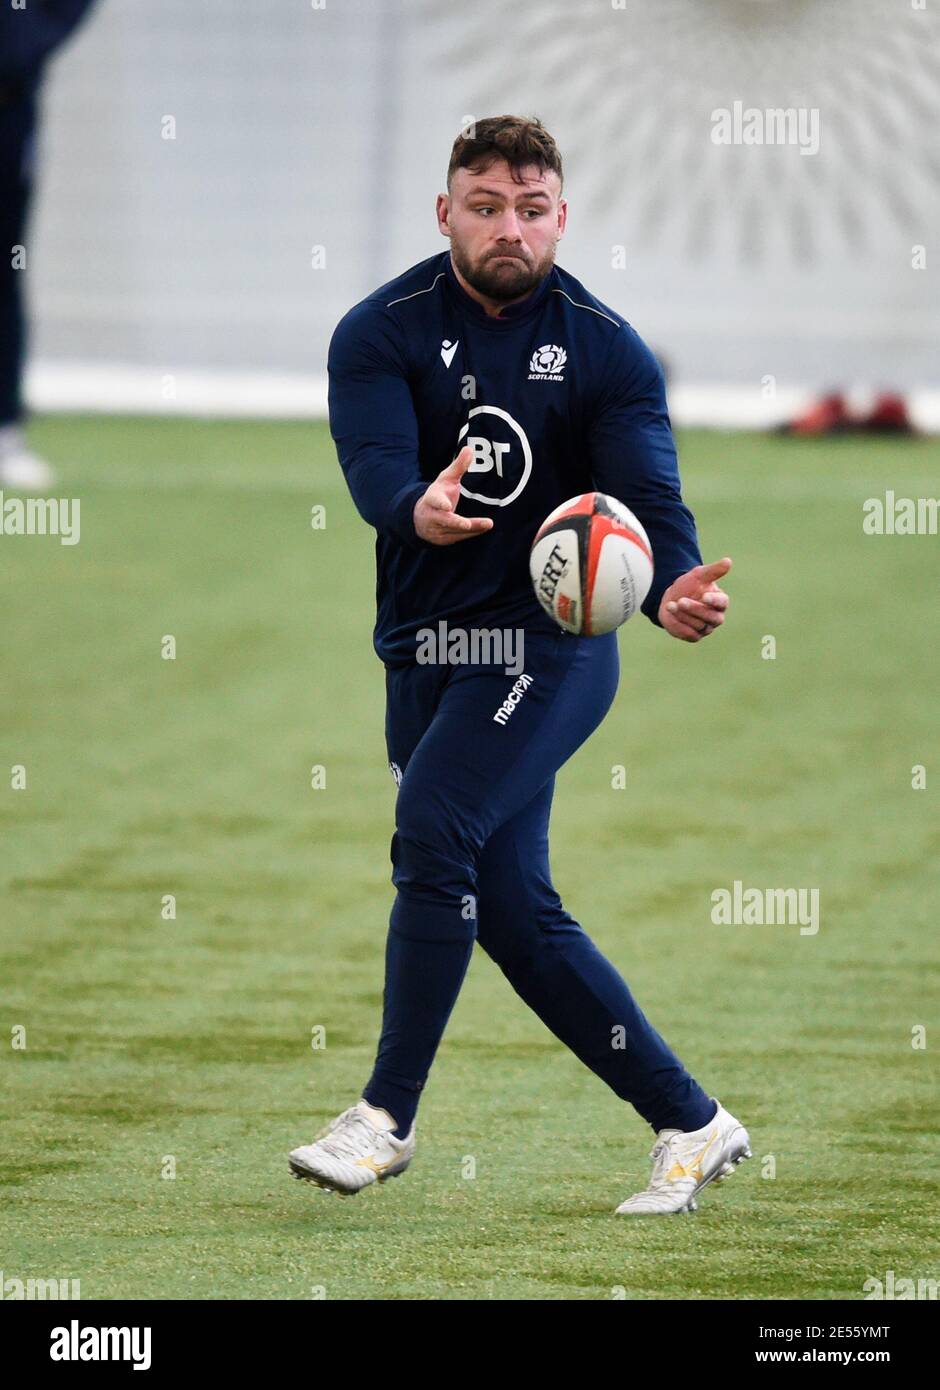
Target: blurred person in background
x,y
30,32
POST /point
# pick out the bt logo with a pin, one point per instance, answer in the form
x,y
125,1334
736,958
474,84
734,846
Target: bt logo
x,y
499,459
486,455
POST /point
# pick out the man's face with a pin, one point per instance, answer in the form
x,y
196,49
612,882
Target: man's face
x,y
503,233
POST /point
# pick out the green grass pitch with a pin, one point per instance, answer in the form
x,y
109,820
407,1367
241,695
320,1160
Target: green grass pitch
x,y
155,1043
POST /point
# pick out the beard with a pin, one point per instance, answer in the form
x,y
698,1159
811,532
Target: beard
x,y
503,280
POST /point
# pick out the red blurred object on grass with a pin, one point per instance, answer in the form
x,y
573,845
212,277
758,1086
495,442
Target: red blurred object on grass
x,y
889,416
831,415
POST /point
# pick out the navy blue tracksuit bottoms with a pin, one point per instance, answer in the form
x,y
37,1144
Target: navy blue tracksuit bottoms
x,y
477,751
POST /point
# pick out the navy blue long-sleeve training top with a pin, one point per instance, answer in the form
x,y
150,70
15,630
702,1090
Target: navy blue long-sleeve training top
x,y
557,396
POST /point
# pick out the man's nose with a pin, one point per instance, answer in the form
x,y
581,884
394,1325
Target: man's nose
x,y
510,227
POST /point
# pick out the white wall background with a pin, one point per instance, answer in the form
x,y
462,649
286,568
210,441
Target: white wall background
x,y
299,126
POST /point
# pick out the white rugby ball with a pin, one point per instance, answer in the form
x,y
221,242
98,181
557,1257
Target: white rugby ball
x,y
591,564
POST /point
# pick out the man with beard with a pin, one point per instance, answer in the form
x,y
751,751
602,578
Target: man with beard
x,y
468,398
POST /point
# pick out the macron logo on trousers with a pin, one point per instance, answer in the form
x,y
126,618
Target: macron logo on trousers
x,y
512,699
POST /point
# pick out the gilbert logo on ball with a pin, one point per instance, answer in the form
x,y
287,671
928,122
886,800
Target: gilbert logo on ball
x,y
591,564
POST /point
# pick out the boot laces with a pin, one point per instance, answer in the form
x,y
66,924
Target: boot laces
x,y
662,1155
349,1134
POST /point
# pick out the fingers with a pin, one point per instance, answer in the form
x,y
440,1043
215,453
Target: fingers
x,y
438,499
450,524
682,630
709,573
458,467
691,620
436,522
705,614
682,618
434,515
439,511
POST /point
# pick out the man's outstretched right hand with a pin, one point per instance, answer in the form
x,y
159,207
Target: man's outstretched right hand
x,y
435,518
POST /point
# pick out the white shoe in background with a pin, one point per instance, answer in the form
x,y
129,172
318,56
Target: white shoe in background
x,y
20,468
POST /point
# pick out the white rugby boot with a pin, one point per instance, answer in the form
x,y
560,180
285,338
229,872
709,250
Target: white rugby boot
x,y
686,1161
356,1149
20,468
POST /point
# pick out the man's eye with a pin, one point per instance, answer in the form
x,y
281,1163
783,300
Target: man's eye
x,y
530,213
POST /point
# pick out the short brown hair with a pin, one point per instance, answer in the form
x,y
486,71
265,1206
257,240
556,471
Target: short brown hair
x,y
519,141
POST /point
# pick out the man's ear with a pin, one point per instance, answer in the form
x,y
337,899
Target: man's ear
x,y
442,209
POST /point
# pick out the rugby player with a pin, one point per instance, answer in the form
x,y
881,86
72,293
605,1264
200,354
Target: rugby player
x,y
468,398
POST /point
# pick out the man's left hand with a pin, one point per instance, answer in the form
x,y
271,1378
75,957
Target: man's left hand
x,y
694,606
